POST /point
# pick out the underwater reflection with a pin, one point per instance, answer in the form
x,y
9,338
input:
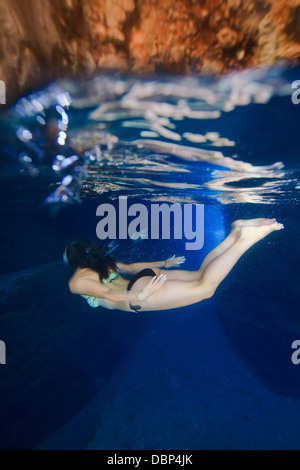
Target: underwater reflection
x,y
116,134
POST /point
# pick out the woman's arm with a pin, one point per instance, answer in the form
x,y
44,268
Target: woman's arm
x,y
92,288
135,268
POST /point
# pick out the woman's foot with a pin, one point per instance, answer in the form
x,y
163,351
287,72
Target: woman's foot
x,y
257,229
252,222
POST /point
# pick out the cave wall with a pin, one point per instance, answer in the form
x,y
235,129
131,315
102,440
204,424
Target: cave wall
x,y
41,40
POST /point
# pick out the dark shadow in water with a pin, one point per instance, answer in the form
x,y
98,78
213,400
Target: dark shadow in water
x,y
30,237
259,301
60,353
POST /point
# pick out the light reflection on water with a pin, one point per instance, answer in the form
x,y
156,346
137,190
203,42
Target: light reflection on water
x,y
137,137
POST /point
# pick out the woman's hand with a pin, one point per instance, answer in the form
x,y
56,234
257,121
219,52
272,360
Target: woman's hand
x,y
169,263
153,286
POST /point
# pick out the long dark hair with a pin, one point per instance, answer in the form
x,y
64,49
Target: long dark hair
x,y
83,254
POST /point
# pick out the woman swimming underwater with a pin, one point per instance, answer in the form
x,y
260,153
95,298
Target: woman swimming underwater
x,y
98,278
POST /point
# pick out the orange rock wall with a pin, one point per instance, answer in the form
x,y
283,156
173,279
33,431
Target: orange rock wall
x,y
41,40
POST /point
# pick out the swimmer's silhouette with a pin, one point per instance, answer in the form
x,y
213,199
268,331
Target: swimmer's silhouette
x,y
98,277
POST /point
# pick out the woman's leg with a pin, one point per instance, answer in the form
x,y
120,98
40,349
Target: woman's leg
x,y
232,237
182,275
216,270
175,293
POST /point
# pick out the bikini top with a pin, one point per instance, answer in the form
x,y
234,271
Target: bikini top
x,y
113,275
95,301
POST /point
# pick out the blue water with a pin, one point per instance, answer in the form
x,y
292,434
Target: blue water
x,y
215,375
